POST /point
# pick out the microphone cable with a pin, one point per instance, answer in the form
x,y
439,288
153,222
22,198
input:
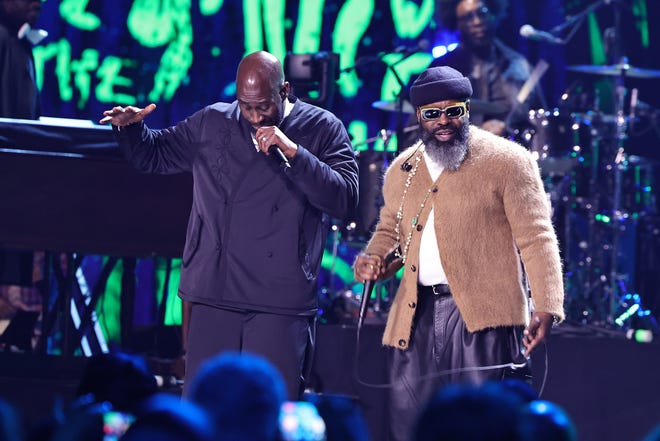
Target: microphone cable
x,y
445,372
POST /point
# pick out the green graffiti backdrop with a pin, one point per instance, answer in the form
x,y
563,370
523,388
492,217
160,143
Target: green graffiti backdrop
x,y
182,55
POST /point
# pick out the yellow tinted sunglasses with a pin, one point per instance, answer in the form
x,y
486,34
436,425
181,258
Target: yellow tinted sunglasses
x,y
452,111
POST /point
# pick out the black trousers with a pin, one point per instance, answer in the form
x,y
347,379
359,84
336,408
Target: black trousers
x,y
443,351
286,341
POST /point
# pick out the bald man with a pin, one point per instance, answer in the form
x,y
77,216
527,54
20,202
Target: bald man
x,y
267,169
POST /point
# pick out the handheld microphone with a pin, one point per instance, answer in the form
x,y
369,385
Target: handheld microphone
x,y
529,32
369,284
284,161
366,295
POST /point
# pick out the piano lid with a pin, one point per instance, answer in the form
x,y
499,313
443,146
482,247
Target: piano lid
x,y
60,135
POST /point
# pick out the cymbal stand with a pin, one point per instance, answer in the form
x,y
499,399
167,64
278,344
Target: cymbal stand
x,y
576,20
618,166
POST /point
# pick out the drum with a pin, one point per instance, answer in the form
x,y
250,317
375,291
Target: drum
x,y
557,139
637,182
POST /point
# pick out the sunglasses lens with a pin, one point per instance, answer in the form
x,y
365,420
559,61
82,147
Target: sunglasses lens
x,y
431,113
434,113
454,111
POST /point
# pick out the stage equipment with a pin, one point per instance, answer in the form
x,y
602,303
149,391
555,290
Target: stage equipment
x,y
313,76
85,199
622,69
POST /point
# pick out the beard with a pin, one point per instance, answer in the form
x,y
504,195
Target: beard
x,y
449,154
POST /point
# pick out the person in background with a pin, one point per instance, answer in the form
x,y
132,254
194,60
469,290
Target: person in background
x,y
19,98
268,169
466,217
19,95
496,71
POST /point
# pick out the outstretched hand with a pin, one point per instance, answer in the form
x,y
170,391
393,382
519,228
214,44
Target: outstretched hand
x,y
124,116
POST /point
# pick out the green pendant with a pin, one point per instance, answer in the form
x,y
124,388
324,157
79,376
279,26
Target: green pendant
x,y
414,221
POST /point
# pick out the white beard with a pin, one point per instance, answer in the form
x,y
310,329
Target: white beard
x,y
449,154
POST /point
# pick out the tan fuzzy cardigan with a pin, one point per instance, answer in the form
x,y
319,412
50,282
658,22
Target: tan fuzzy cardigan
x,y
487,214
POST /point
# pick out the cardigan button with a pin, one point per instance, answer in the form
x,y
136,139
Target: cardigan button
x,y
412,304
435,189
419,227
402,343
413,268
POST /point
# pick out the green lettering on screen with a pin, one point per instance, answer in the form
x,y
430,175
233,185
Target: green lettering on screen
x,y
264,17
73,12
152,23
352,22
61,51
409,18
404,69
359,134
81,69
307,37
109,77
209,7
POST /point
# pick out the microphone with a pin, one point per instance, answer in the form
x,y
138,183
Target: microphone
x,y
529,32
366,295
369,285
284,161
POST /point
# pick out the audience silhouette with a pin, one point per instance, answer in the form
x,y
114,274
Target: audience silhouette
x,y
545,421
10,423
165,417
344,420
121,379
242,393
465,412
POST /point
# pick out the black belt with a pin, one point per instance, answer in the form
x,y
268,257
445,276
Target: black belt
x,y
441,289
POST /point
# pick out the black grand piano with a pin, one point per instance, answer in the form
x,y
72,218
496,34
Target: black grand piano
x,y
66,189
65,186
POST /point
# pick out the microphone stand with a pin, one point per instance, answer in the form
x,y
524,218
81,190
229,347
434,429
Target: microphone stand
x,y
400,99
577,19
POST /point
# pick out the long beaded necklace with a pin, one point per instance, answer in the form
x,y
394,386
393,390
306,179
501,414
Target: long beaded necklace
x,y
399,214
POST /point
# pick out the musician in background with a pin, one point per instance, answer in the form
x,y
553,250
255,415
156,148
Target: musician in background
x,y
19,95
496,71
19,98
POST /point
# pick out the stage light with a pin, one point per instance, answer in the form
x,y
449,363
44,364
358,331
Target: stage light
x,y
313,76
640,323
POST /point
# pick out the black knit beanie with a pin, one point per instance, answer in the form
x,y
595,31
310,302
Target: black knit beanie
x,y
439,84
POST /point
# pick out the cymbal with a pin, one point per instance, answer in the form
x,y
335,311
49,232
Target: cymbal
x,y
624,69
641,161
393,106
476,106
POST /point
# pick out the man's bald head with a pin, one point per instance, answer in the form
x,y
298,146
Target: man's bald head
x,y
260,67
261,89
